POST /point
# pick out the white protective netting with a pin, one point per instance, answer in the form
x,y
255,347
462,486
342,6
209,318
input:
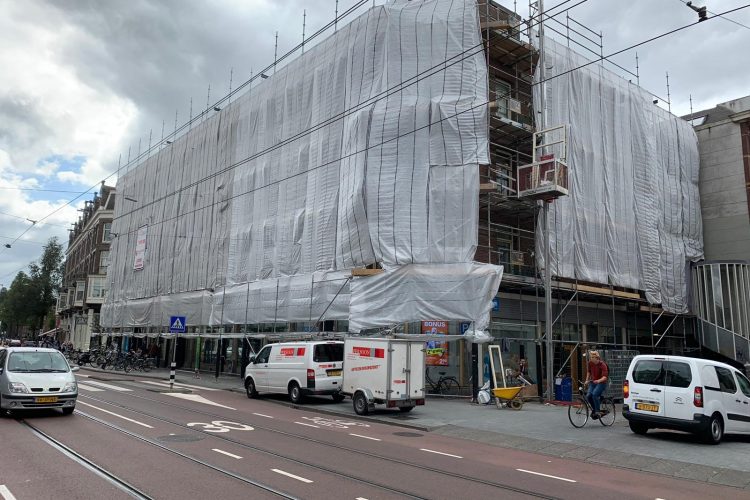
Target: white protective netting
x,y
633,217
364,149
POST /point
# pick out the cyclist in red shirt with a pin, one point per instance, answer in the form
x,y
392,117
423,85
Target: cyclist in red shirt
x,y
597,377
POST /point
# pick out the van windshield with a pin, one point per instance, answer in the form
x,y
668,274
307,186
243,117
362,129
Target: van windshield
x,y
325,353
37,362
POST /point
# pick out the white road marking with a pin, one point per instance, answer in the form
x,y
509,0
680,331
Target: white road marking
x,y
108,386
261,415
364,437
197,399
547,475
279,471
176,384
441,453
226,453
360,498
115,414
308,425
5,492
90,388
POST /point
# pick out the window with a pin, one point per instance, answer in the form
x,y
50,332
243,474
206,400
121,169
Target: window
x,y
262,357
726,381
325,353
34,361
107,233
679,374
103,261
80,289
649,372
97,287
743,383
502,95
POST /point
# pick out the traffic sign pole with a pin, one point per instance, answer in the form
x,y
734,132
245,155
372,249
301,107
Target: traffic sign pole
x,y
177,325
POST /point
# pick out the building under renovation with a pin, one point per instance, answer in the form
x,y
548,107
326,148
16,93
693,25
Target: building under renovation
x,y
393,174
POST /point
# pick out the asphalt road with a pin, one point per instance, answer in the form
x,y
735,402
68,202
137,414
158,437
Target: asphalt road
x,y
127,439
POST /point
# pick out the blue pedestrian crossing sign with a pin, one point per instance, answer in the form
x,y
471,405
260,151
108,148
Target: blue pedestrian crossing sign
x,y
177,324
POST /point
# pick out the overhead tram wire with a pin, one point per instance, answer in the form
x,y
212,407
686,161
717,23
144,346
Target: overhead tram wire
x,y
437,68
428,125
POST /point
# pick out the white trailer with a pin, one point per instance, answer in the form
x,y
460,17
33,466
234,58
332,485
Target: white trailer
x,y
383,371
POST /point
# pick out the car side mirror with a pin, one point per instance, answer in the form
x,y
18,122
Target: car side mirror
x,y
75,369
252,359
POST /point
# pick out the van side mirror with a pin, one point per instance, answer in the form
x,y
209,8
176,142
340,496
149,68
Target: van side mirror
x,y
75,369
252,359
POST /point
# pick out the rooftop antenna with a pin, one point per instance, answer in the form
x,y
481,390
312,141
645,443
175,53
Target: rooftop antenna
x,y
637,72
231,75
208,99
669,98
275,51
304,19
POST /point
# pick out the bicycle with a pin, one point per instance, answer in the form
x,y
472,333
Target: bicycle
x,y
580,410
444,384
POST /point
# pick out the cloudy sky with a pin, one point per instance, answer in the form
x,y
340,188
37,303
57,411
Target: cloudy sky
x,y
84,81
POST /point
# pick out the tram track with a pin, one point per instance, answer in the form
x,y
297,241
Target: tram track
x,y
442,472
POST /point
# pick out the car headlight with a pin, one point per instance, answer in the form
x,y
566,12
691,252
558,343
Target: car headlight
x,y
70,387
17,388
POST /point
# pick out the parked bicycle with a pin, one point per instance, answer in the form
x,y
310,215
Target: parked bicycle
x,y
580,410
443,385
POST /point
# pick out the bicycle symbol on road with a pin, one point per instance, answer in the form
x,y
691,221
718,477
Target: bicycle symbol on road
x,y
221,426
335,423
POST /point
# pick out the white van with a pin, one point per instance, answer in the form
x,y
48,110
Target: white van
x,y
704,397
297,368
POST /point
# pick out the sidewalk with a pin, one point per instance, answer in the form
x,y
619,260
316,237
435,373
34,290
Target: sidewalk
x,y
536,428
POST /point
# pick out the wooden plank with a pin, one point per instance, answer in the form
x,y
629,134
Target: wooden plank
x,y
496,25
486,186
361,271
608,291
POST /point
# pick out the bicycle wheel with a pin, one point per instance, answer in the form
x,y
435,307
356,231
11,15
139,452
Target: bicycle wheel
x,y
578,412
449,385
607,411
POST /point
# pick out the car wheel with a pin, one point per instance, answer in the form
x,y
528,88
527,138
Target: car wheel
x,y
361,406
715,430
250,388
295,394
338,397
69,410
638,428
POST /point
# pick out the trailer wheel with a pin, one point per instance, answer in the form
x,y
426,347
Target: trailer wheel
x,y
361,406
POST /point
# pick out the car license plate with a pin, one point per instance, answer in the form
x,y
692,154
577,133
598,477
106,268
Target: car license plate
x,y
334,373
48,399
646,407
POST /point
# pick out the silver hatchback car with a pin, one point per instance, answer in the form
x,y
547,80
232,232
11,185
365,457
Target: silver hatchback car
x,y
36,378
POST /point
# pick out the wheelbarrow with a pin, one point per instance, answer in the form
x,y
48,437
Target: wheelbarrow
x,y
508,396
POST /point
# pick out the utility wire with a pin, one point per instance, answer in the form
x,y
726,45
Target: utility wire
x,y
43,190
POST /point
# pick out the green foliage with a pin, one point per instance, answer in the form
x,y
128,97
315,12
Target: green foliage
x,y
32,296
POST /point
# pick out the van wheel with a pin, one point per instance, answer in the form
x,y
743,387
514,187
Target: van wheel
x,y
295,394
715,430
405,409
250,388
361,406
638,428
338,397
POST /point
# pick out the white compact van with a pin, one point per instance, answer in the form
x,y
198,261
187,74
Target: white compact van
x,y
704,397
298,369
